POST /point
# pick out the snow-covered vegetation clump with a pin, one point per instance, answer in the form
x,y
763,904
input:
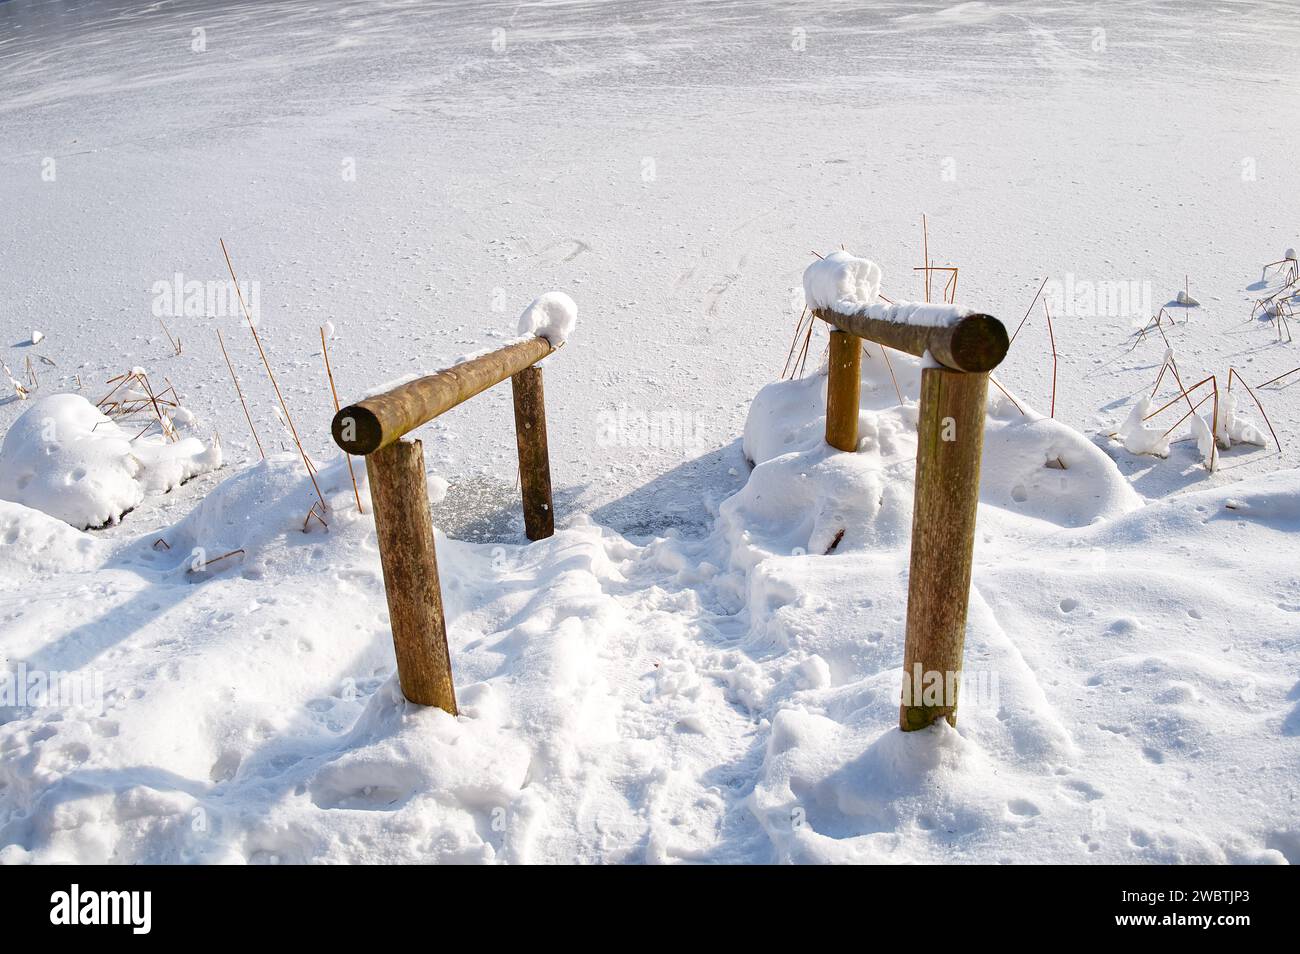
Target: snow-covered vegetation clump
x,y
65,457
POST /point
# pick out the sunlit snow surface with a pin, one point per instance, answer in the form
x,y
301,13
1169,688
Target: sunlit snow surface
x,y
415,175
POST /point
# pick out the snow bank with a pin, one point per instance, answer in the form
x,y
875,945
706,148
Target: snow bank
x,y
33,543
64,457
552,316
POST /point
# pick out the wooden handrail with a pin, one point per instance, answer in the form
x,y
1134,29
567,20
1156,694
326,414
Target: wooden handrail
x,y
399,494
957,340
377,421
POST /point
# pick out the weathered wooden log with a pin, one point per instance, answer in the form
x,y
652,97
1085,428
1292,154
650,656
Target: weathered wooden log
x,y
842,386
950,438
963,343
375,422
534,458
400,498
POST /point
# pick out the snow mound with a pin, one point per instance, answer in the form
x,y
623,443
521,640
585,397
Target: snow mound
x,y
257,515
34,543
67,459
552,316
803,494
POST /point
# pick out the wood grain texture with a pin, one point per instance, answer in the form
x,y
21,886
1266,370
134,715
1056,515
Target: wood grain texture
x,y
534,458
950,439
400,499
974,343
842,385
375,422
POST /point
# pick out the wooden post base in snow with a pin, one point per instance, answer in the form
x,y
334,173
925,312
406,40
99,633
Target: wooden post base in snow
x,y
950,439
404,527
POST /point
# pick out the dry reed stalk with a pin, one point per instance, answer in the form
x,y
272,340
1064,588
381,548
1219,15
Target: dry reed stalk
x,y
1214,429
1052,338
164,422
312,513
329,373
1191,409
798,330
176,345
949,291
1233,372
267,364
235,378
803,354
1027,312
1185,393
1292,268
208,563
884,352
999,386
925,240
120,379
1171,364
1173,426
1278,378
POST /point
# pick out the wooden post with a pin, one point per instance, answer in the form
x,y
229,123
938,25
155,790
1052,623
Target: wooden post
x,y
534,459
404,527
842,385
950,437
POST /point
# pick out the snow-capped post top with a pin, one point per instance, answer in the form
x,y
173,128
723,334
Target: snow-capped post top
x,y
841,282
841,289
552,316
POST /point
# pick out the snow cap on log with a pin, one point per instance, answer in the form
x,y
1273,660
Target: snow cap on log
x,y
552,316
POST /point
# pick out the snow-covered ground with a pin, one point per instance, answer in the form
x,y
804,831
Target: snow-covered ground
x,y
682,672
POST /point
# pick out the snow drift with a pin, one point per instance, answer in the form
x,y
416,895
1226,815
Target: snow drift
x,y
67,459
